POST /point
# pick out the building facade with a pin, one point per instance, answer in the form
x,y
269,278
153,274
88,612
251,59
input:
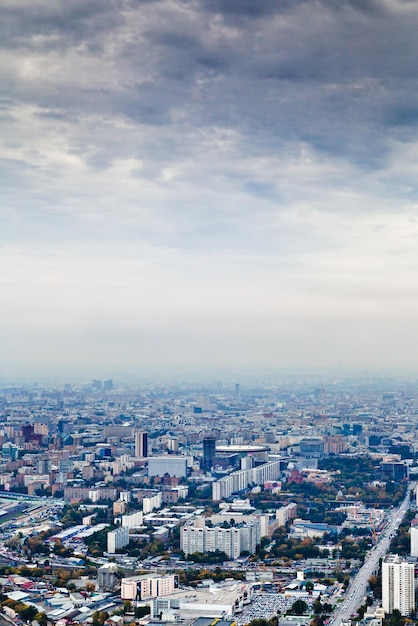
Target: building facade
x,y
242,479
414,537
233,541
169,464
141,444
117,539
398,585
146,587
209,452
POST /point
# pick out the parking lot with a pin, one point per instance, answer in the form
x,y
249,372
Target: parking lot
x,y
264,606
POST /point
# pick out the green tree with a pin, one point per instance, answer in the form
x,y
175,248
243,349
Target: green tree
x,y
127,606
141,611
395,619
299,607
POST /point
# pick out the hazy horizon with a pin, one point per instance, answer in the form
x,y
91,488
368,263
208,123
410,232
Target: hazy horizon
x,y
191,185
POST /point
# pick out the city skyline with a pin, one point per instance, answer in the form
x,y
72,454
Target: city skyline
x,y
189,186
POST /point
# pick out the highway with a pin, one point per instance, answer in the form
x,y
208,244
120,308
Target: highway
x,y
357,589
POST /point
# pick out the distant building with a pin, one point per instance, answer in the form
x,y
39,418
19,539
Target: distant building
x,y
414,537
148,586
141,444
132,520
232,540
152,502
209,451
311,447
394,470
117,539
304,528
170,464
285,513
106,575
398,585
221,601
242,479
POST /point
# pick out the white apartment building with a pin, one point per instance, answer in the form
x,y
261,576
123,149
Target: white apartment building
x,y
414,540
117,539
232,541
150,503
242,479
398,585
286,513
261,521
132,520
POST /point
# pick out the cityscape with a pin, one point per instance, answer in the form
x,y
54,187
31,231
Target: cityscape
x,y
274,504
208,321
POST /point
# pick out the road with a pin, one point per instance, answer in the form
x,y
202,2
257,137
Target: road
x,y
357,589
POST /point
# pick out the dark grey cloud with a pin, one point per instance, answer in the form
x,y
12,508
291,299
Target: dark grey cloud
x,y
282,70
47,25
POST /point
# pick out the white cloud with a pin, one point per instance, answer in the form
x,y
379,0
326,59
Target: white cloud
x,y
188,186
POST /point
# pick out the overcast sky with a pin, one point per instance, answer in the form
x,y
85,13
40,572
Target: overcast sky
x,y
208,183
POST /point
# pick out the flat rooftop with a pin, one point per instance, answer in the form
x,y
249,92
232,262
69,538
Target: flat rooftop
x,y
248,449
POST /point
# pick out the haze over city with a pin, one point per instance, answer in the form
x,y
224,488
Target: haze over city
x,y
191,184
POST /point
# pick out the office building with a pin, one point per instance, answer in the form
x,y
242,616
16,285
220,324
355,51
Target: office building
x,y
141,444
398,585
215,604
209,445
148,586
170,464
394,470
311,447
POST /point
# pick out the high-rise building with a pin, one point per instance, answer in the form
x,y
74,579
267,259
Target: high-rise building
x,y
209,451
117,539
141,444
398,589
414,537
237,393
232,541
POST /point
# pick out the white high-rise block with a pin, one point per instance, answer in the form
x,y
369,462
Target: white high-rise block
x,y
398,589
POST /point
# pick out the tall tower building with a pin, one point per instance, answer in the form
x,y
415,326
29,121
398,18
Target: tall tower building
x,y
398,590
141,444
209,451
237,393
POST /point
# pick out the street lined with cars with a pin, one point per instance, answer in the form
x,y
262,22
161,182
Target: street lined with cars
x,y
356,592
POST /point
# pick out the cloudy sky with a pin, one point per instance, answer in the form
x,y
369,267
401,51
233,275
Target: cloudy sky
x,y
208,183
